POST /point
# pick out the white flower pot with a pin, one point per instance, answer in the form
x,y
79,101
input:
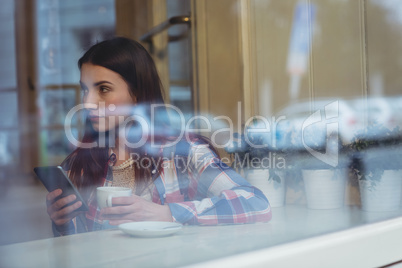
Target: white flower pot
x,y
325,188
274,191
385,195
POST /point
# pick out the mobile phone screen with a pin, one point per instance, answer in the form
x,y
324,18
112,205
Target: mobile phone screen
x,y
54,177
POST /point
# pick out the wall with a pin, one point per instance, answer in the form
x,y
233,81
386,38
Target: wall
x,y
218,65
354,50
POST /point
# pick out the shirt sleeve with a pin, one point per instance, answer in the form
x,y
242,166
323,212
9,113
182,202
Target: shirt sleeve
x,y
68,229
220,196
75,226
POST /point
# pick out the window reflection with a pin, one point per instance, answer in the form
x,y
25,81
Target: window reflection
x,y
341,132
9,143
65,29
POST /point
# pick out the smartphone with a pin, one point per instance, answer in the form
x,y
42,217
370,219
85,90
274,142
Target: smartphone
x,y
54,177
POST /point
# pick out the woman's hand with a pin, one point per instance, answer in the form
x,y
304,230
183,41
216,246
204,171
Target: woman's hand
x,y
134,208
57,209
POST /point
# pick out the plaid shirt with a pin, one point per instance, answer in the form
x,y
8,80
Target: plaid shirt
x,y
198,188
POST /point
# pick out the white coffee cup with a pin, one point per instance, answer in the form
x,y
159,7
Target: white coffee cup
x,y
104,195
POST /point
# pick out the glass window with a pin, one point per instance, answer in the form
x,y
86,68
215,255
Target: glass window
x,y
9,107
9,135
332,70
8,75
180,62
65,29
322,76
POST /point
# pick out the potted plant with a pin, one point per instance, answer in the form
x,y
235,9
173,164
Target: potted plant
x,y
324,173
263,165
377,165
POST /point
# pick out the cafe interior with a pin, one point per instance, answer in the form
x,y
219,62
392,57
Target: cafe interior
x,y
309,89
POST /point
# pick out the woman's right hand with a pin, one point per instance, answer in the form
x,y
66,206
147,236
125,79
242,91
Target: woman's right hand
x,y
57,209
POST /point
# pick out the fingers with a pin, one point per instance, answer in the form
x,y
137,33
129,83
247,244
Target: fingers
x,y
120,213
132,208
121,218
50,197
69,209
66,219
118,222
117,210
60,212
59,204
125,200
66,214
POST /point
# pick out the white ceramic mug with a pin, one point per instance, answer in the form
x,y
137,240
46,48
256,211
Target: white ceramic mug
x,y
104,195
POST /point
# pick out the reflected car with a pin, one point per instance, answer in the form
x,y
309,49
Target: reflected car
x,y
378,110
306,124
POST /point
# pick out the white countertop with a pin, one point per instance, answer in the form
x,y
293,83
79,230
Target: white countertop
x,y
292,231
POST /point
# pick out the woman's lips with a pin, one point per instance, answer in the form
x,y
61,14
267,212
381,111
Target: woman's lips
x,y
94,118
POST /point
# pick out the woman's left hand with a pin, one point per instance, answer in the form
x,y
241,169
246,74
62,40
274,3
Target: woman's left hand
x,y
134,208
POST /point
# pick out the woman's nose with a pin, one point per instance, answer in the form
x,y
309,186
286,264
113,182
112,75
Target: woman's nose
x,y
91,100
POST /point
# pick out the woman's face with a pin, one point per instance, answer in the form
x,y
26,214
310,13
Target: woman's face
x,y
106,96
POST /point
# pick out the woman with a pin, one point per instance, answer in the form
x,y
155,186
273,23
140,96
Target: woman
x,y
181,181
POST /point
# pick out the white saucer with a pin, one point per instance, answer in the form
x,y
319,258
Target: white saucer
x,y
150,228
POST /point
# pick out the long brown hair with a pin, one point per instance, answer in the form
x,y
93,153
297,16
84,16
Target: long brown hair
x,y
132,62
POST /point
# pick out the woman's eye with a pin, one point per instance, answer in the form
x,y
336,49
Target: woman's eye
x,y
104,89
